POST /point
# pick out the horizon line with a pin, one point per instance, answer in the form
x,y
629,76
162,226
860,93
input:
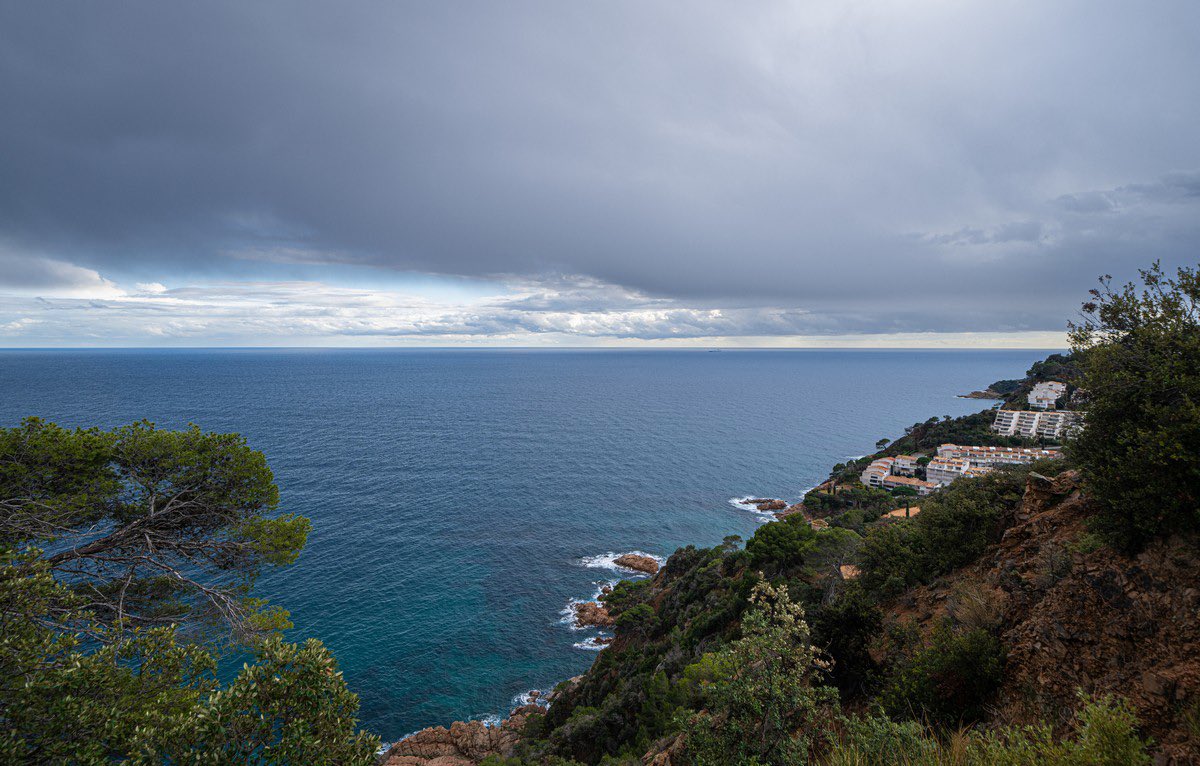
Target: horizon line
x,y
697,349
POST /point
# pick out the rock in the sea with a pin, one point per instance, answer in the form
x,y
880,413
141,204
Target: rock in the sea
x,y
592,614
637,562
465,743
771,505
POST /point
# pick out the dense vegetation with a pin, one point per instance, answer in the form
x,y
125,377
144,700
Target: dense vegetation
x,y
1141,351
127,562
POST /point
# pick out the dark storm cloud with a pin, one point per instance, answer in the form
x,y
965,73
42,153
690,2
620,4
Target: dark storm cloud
x,y
845,165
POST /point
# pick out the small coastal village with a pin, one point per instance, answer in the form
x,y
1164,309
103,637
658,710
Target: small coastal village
x,y
922,474
898,478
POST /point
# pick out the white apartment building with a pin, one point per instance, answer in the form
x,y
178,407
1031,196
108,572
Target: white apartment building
x,y
1045,395
943,470
886,473
876,472
989,457
1037,425
905,465
895,482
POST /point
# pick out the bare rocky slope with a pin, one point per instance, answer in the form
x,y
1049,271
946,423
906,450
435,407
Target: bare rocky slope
x,y
1075,617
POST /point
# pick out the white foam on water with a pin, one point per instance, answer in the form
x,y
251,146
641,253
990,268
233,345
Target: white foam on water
x,y
609,561
591,644
526,698
568,614
741,504
492,720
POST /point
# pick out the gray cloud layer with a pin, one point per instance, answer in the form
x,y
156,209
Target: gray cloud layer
x,y
836,166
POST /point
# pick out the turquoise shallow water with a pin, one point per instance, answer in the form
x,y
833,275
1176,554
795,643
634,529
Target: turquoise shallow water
x,y
456,495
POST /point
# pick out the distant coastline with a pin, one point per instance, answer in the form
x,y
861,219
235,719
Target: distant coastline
x,y
985,394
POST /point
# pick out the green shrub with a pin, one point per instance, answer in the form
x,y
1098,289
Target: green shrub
x,y
781,545
845,628
1139,449
1105,734
879,741
955,526
947,682
638,619
766,710
891,559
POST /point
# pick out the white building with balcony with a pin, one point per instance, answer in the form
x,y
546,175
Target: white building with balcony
x,y
905,465
943,470
989,457
1037,425
874,474
1045,395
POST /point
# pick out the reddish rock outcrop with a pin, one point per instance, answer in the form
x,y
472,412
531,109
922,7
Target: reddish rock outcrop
x,y
637,562
770,505
465,743
592,614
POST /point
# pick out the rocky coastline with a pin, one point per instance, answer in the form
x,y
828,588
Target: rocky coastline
x,y
466,743
592,614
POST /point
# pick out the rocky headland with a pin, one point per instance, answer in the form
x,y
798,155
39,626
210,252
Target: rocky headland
x,y
985,394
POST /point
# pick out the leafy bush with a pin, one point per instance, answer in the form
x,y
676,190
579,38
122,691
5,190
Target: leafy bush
x,y
781,545
955,526
891,558
1140,449
638,619
1105,734
879,741
948,681
845,628
291,706
766,710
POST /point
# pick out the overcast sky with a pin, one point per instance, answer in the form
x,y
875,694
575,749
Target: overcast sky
x,y
560,173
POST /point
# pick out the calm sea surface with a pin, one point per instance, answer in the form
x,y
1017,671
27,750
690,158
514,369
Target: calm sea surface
x,y
457,497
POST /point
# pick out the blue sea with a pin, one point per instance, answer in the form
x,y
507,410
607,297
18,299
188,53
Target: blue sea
x,y
461,499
